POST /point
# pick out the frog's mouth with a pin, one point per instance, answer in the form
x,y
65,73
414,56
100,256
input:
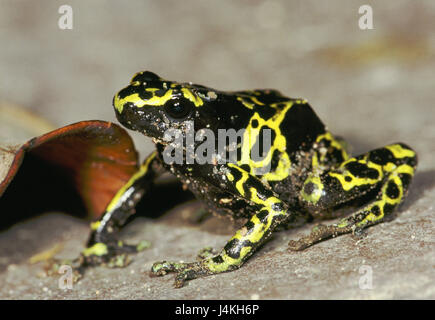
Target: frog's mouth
x,y
154,130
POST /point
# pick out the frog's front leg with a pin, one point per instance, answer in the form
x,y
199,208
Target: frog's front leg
x,y
389,169
271,211
103,247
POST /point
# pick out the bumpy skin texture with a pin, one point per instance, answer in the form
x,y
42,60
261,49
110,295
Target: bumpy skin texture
x,y
311,173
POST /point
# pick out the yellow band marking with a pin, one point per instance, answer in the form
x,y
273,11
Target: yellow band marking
x,y
142,171
317,192
227,261
95,225
256,101
355,181
334,143
399,152
197,101
250,138
242,180
98,249
139,102
246,103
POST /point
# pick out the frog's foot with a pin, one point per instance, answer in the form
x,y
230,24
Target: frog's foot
x,y
184,271
206,252
318,233
55,266
114,254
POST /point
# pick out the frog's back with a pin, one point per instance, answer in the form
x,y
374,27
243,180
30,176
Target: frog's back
x,y
293,124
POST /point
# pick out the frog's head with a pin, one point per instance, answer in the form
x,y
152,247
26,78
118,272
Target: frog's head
x,y
152,105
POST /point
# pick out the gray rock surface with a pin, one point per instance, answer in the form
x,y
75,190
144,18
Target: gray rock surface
x,y
373,87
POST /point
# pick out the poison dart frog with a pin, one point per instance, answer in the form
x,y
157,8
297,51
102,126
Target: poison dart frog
x,y
311,174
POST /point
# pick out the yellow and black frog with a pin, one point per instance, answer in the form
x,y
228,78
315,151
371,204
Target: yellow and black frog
x,y
309,171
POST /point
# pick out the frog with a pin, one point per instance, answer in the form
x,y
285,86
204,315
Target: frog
x,y
311,174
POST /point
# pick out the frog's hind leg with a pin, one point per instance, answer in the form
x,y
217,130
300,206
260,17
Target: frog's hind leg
x,y
271,212
389,169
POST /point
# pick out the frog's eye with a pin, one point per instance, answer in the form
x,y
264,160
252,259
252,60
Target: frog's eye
x,y
178,110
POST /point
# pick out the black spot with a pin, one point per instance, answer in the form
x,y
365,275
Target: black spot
x,y
361,170
145,95
233,247
380,156
160,93
337,155
264,193
265,112
406,179
249,225
325,142
218,259
275,160
392,191
229,248
309,188
246,167
262,215
412,161
376,211
254,123
236,174
348,178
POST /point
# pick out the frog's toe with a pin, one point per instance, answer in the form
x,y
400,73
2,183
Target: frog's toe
x,y
55,267
185,271
205,253
183,276
113,255
163,267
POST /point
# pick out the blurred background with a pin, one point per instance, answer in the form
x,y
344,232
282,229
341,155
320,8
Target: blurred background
x,y
373,87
